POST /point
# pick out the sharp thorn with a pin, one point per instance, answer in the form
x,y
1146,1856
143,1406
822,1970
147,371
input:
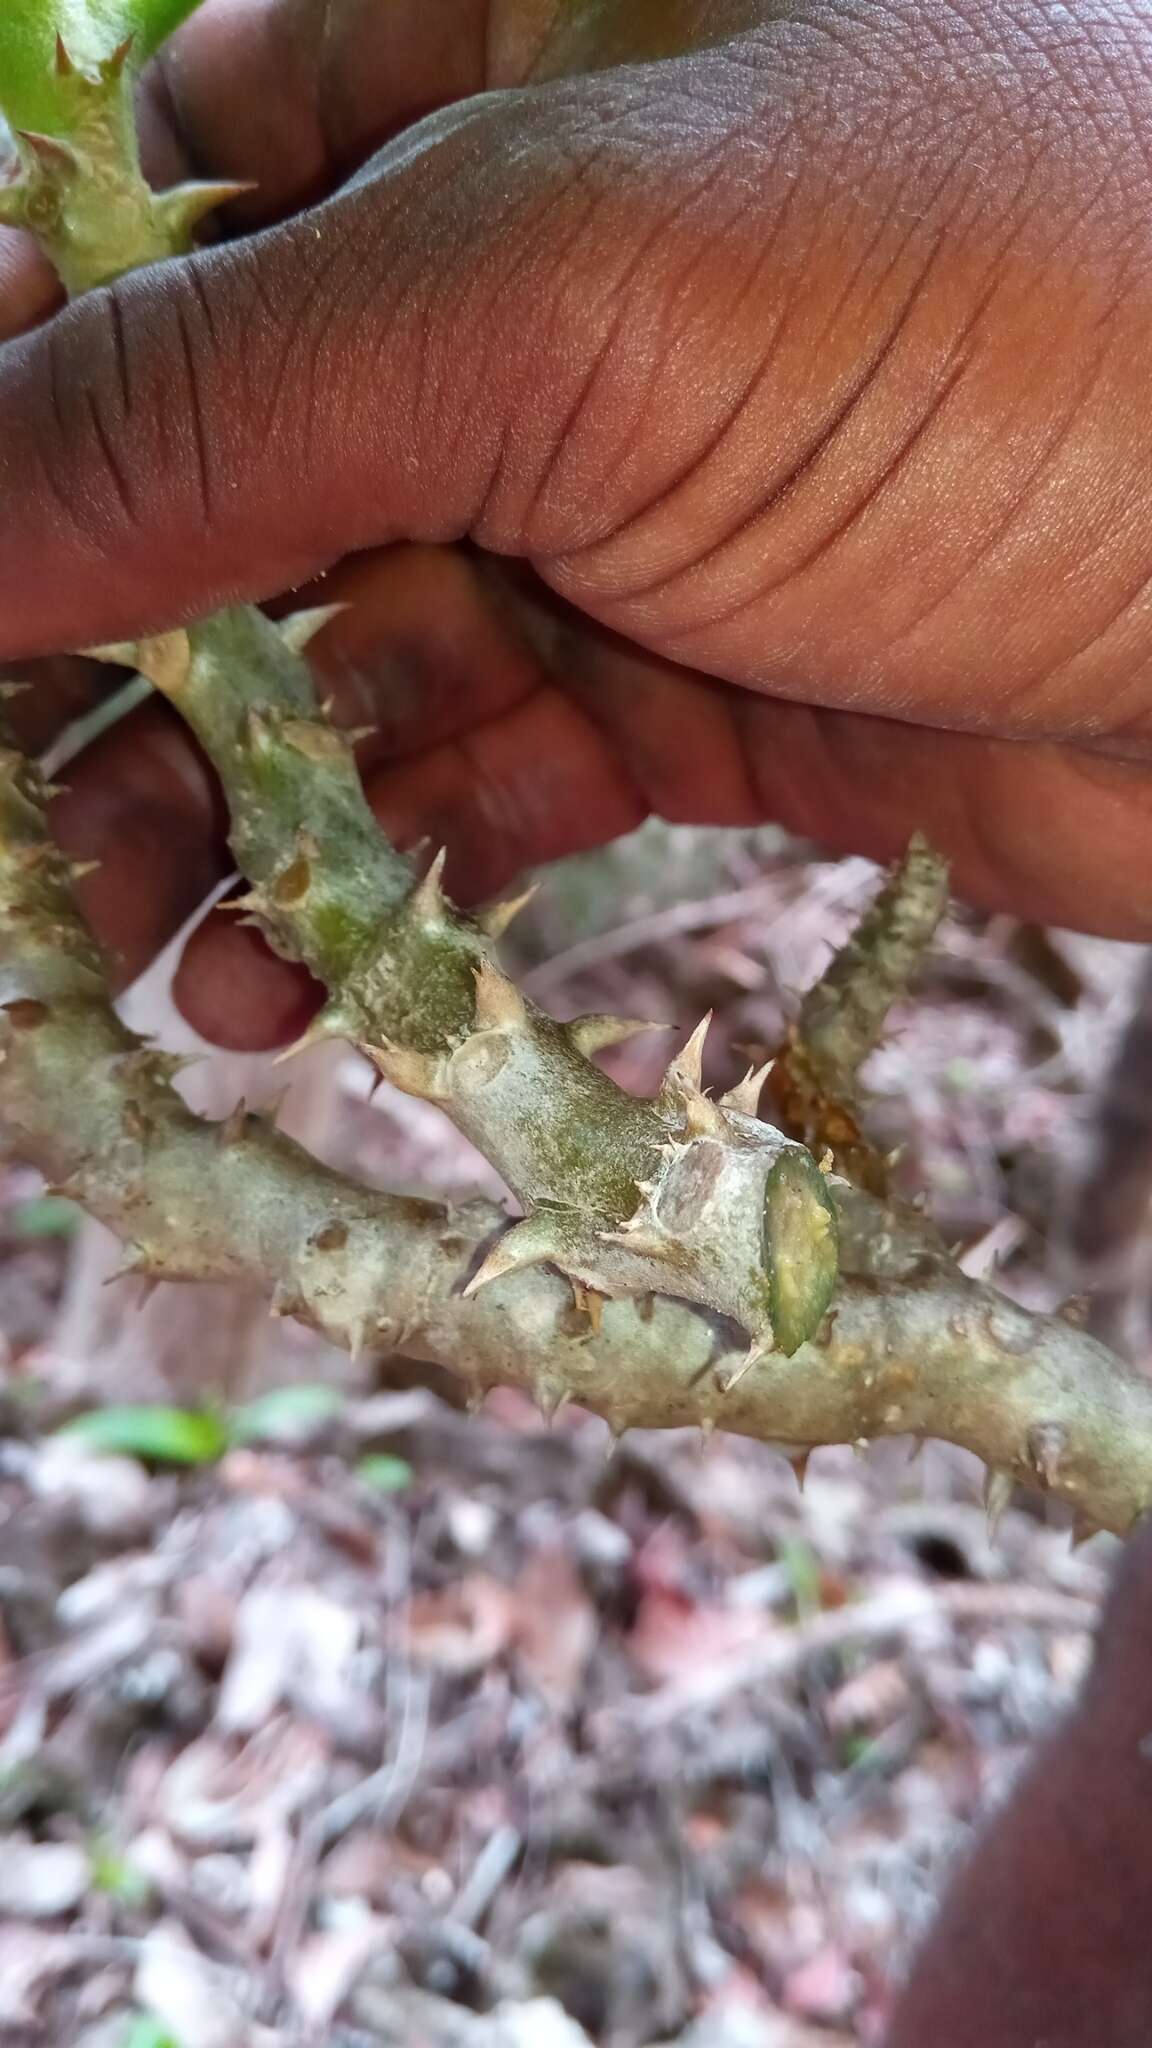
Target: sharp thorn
x,y
499,1003
591,1302
688,1065
755,1352
122,653
799,1466
233,1128
496,918
998,1491
64,65
113,66
166,660
324,1025
53,156
426,902
745,1096
299,629
417,1073
528,1243
550,1398
590,1034
185,206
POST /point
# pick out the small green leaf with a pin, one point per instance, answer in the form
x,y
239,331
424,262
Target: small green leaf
x,y
285,1412
146,2032
164,1436
45,1216
115,1876
802,1567
386,1474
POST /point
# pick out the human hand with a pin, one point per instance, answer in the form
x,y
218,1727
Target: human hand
x,y
1041,1940
789,394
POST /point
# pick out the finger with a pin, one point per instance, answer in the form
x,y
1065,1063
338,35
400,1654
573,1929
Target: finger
x,y
478,749
142,806
675,334
291,94
29,288
1054,834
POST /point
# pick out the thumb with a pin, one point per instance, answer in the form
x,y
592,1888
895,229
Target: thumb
x,y
404,361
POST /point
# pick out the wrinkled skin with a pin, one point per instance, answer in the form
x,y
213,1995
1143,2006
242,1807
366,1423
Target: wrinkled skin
x,y
739,411
807,367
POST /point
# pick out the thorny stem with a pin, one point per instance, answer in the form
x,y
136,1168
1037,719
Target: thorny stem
x,y
697,1220
910,1346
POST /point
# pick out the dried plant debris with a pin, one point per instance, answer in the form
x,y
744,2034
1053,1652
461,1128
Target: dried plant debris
x,y
673,1754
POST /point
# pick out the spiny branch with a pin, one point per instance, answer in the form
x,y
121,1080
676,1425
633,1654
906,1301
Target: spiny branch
x,y
909,1346
699,1222
814,1080
680,1195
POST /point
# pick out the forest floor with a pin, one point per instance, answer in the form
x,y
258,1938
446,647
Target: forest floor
x,y
387,1726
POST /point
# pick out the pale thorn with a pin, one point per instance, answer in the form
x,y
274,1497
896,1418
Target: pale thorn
x,y
51,154
688,1065
499,1003
185,206
591,1033
357,1339
166,660
299,629
134,1266
319,1031
591,1303
702,1118
79,868
231,1129
426,902
636,1236
755,1352
998,1490
1083,1529
860,1449
416,1073
707,1432
1047,1444
745,1096
64,65
122,653
550,1397
527,1243
250,901
496,918
148,1284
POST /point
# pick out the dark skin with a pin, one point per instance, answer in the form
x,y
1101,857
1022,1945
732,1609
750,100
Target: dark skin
x,y
742,411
